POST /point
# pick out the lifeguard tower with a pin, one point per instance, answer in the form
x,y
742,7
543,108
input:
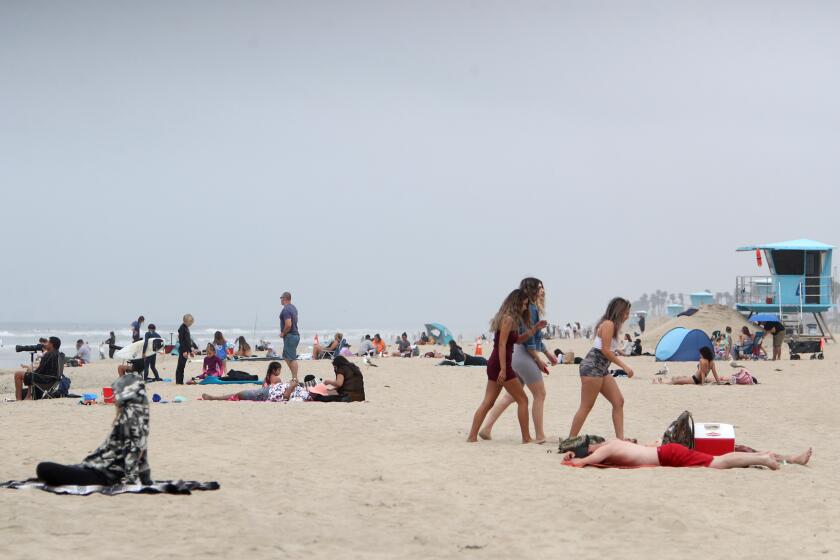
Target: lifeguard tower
x,y
799,283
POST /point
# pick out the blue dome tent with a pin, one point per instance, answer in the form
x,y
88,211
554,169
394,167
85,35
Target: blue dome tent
x,y
681,345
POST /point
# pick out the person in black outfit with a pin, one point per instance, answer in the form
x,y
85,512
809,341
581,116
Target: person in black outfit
x,y
111,341
46,372
642,324
151,361
185,345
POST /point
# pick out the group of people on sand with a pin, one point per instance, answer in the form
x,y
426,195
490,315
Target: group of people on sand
x,y
348,386
516,363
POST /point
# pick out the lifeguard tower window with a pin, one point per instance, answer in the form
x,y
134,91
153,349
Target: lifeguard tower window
x,y
789,263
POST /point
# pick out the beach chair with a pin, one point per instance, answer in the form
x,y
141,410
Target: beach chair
x,y
331,354
48,387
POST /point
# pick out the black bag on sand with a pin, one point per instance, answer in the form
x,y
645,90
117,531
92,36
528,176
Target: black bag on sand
x,y
234,375
680,431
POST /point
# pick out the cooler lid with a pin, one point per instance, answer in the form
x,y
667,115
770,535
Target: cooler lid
x,y
713,430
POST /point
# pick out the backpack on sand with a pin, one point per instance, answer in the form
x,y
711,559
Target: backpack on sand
x,y
680,431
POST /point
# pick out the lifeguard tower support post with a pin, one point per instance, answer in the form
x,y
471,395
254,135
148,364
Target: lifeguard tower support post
x,y
800,282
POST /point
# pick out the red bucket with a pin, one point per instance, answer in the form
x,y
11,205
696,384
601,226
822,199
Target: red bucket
x,y
108,395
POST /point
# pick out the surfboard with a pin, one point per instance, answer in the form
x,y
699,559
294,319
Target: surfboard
x,y
134,351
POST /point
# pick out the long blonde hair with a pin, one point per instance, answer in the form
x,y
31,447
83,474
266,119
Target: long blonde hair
x,y
616,309
531,287
511,307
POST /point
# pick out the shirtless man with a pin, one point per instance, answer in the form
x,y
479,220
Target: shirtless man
x,y
621,453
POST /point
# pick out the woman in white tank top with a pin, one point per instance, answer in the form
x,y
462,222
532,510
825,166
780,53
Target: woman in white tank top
x,y
594,369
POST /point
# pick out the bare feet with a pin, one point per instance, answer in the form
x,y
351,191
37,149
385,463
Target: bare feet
x,y
768,461
206,397
540,439
484,435
472,440
802,458
657,381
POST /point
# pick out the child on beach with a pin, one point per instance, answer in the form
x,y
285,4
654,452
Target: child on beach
x,y
594,369
500,374
212,366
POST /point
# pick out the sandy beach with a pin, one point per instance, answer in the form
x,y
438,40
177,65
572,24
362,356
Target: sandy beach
x,y
394,478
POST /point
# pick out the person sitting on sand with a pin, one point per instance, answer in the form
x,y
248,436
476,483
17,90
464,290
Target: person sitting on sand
x,y
366,348
745,342
122,458
349,381
403,346
273,389
627,345
379,345
243,349
704,366
212,366
619,453
329,351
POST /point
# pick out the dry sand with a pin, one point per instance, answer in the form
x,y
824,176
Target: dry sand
x,y
394,478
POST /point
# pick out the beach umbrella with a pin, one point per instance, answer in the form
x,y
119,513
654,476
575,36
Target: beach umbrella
x,y
438,333
764,318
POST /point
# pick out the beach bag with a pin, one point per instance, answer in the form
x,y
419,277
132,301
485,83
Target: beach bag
x,y
680,431
743,377
234,375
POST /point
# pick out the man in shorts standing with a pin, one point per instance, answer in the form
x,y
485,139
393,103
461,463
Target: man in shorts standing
x,y
289,333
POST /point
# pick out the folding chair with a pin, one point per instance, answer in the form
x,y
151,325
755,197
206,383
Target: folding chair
x,y
331,354
46,386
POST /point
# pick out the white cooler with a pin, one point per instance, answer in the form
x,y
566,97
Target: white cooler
x,y
714,438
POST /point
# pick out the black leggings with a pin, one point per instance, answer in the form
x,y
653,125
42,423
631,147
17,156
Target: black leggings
x,y
59,475
150,363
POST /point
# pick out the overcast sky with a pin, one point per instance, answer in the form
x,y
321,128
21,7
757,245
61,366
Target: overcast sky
x,y
392,162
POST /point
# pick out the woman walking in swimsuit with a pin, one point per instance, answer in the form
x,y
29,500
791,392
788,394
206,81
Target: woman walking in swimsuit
x,y
704,366
505,325
526,361
594,369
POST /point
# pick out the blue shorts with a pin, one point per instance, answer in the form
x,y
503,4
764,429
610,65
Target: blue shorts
x,y
290,344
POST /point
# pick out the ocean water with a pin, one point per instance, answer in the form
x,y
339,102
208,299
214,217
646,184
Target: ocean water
x,y
12,334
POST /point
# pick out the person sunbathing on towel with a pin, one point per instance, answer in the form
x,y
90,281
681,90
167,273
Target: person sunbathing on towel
x,y
621,453
273,390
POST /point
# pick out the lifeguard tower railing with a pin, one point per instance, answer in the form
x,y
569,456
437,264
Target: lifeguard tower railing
x,y
807,294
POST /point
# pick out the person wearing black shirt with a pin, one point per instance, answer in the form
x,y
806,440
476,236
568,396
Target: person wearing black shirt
x,y
778,331
184,348
151,361
46,372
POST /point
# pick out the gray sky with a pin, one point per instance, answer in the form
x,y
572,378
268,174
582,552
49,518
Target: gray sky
x,y
394,162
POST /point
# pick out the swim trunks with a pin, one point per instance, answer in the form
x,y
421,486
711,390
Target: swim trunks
x,y
676,455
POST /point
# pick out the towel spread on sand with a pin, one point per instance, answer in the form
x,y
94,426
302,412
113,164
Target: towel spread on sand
x,y
213,380
183,487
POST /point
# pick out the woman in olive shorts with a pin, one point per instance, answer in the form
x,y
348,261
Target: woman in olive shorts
x,y
594,369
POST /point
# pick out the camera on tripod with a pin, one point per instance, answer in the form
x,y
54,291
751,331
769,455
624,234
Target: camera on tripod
x,y
29,348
